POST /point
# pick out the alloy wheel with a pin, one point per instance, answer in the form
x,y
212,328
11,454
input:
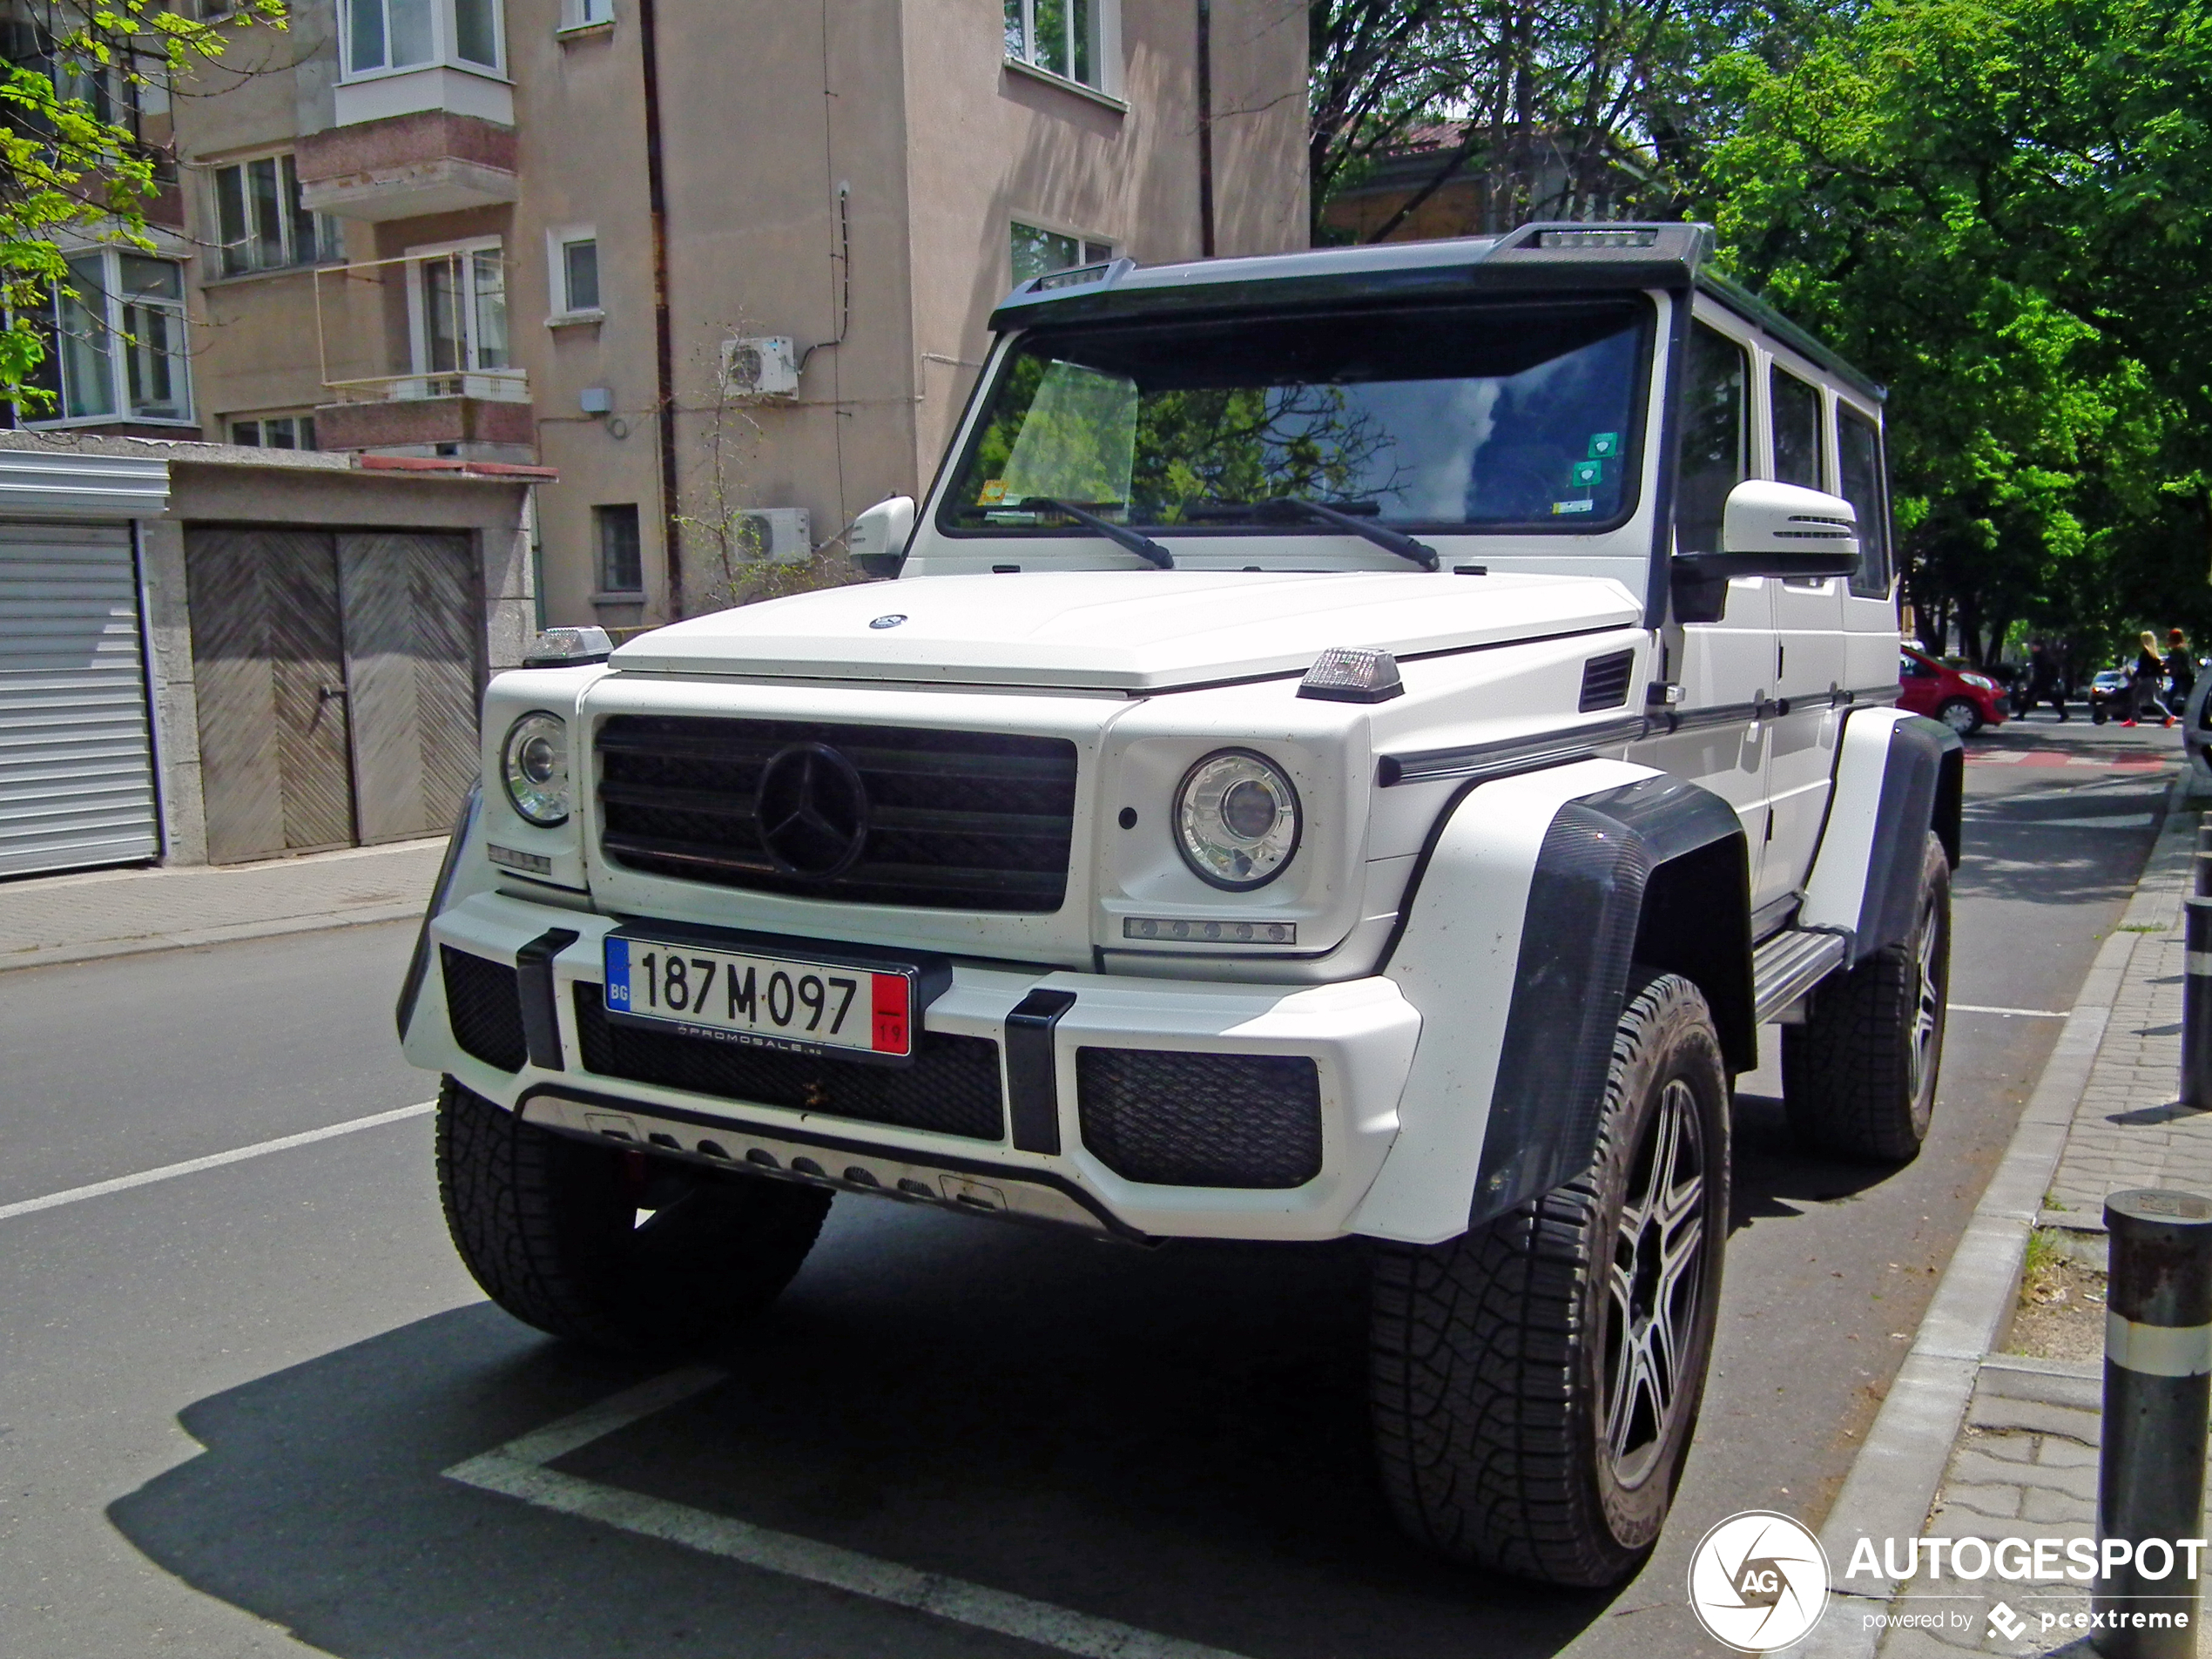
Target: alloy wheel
x,y
1654,1282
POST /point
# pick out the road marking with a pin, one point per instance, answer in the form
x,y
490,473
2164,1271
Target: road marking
x,y
2125,820
213,1161
518,1470
2025,1014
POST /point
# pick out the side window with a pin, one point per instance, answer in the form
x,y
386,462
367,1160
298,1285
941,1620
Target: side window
x,y
1863,484
1796,428
1715,438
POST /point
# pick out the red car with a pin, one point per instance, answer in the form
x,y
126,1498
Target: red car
x,y
1963,700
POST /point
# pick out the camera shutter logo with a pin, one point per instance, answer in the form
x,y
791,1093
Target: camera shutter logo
x,y
1758,1581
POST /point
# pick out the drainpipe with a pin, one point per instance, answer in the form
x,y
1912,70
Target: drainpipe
x,y
664,342
1205,128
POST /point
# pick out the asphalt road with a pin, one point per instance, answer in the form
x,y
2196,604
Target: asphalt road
x,y
226,1400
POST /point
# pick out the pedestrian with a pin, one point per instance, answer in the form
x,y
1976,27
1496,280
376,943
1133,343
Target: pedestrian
x,y
2180,671
2043,681
2143,681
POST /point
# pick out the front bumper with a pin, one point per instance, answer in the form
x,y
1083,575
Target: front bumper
x,y
1358,1035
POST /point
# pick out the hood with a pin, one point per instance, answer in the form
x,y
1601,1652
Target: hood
x,y
1120,630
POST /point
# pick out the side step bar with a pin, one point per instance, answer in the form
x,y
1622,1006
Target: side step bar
x,y
1789,965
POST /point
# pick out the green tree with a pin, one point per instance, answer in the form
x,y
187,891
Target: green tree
x,y
79,74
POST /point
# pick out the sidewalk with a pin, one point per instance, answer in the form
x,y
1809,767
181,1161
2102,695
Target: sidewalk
x,y
2023,1432
119,913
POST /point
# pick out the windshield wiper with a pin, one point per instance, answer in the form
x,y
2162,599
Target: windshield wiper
x,y
1280,508
1143,546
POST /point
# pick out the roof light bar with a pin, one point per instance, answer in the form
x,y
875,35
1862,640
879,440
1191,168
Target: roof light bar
x,y
1645,238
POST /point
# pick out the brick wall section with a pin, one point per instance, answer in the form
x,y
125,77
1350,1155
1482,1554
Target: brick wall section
x,y
401,141
427,419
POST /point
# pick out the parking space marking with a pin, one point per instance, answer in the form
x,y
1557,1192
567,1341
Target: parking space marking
x,y
518,1470
2024,1014
213,1161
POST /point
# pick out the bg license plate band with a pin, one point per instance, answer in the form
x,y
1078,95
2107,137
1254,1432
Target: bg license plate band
x,y
756,995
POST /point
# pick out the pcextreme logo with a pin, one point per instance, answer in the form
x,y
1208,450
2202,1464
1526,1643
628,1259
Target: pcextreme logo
x,y
1758,1581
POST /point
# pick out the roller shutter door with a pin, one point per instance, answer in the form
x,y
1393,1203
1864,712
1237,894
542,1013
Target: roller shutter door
x,y
77,784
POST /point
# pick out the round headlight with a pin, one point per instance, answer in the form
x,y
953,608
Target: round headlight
x,y
534,761
1236,819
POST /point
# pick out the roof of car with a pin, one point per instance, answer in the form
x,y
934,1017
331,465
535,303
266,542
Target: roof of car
x,y
1542,258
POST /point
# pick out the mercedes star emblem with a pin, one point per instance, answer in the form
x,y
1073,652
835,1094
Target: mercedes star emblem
x,y
812,810
891,621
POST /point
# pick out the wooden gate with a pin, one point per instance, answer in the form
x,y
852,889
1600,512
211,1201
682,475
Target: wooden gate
x,y
337,680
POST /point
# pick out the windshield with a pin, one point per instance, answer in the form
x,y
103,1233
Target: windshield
x,y
1519,416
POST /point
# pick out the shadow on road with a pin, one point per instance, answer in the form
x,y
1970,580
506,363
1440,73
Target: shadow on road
x,y
1176,1439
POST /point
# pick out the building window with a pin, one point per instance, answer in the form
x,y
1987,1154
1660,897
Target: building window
x,y
261,223
1037,252
275,432
584,14
457,308
115,343
622,569
382,36
1064,37
574,251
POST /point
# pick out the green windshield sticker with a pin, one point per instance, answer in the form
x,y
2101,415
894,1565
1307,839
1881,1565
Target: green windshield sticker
x,y
1586,472
1603,444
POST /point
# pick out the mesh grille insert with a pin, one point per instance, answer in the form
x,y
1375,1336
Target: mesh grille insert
x,y
1177,1119
951,1089
965,820
485,1008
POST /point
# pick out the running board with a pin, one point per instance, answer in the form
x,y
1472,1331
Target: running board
x,y
1789,965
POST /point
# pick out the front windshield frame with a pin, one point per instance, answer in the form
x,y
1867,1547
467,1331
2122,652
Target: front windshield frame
x,y
959,467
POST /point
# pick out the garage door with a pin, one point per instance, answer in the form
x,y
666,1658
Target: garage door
x,y
76,746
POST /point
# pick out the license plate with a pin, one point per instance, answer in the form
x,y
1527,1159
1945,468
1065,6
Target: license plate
x,y
771,1002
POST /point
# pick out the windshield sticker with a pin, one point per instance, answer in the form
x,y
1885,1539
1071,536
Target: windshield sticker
x,y
1604,445
992,493
1582,473
1573,506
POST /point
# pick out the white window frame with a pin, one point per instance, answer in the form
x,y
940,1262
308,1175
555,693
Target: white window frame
x,y
330,245
444,52
231,423
116,348
558,240
577,15
1087,242
1019,35
418,320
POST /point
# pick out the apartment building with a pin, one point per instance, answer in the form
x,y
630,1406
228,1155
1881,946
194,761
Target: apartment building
x,y
723,268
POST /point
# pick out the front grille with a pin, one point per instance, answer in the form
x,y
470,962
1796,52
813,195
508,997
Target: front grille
x,y
952,1088
964,820
484,1007
1177,1119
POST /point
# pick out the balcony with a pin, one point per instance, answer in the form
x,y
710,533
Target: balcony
x,y
408,166
479,415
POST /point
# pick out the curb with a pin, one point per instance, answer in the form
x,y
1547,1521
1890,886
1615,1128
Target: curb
x,y
1894,1481
58,954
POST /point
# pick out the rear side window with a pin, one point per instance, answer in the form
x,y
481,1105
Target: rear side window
x,y
1863,485
1796,428
1715,438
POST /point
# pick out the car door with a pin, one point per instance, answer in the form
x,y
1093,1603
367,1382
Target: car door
x,y
1725,669
1810,659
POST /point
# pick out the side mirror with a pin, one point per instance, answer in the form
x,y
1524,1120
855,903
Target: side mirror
x,y
878,540
1768,530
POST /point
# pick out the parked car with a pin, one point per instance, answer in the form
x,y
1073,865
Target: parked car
x,y
1963,699
1273,802
2108,695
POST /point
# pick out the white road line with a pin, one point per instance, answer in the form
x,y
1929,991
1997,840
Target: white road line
x,y
213,1161
2025,1014
518,1470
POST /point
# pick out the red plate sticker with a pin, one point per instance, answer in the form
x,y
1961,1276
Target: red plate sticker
x,y
891,1027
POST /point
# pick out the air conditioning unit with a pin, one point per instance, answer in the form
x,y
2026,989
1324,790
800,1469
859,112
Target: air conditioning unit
x,y
775,535
766,366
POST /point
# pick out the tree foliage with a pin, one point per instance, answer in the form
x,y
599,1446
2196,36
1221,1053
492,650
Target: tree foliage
x,y
79,77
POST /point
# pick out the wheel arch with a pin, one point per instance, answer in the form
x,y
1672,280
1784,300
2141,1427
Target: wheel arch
x,y
1897,777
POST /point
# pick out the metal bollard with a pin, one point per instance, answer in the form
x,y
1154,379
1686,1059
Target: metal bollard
x,y
2158,1389
2203,885
2196,1006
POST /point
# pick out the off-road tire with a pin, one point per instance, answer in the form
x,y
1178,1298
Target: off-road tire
x,y
548,1225
1960,715
1492,1366
1859,1077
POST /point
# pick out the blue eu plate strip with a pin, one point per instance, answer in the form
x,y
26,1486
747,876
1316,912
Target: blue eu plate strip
x,y
618,973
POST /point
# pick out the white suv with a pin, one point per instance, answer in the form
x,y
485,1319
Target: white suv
x,y
1360,742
